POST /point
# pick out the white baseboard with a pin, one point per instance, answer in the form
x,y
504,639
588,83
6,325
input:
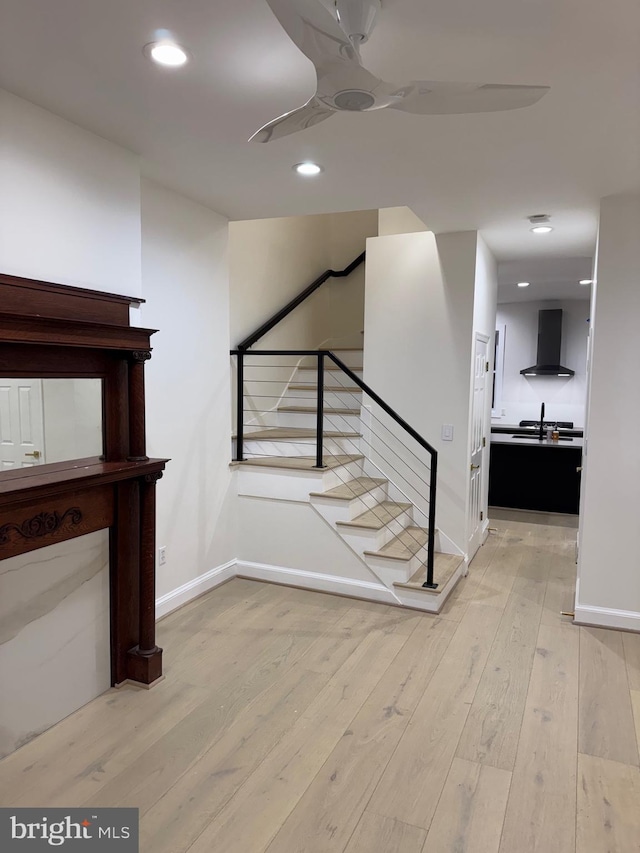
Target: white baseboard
x,y
194,588
605,617
316,581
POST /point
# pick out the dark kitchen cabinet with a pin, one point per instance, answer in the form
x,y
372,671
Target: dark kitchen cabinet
x,y
536,477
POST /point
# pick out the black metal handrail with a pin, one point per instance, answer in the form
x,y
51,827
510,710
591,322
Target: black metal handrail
x,y
299,299
320,355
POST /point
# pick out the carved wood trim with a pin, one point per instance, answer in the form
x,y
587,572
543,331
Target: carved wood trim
x,y
43,524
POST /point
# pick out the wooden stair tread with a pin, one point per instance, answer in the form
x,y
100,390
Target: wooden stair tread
x,y
353,489
300,463
279,433
403,546
444,565
327,388
311,410
378,516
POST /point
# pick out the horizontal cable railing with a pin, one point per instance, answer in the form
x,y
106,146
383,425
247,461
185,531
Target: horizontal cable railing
x,y
262,400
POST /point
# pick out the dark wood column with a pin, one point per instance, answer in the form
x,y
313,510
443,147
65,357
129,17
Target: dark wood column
x,y
124,551
145,660
53,331
137,430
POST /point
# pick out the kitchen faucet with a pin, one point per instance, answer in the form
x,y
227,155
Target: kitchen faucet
x,y
541,421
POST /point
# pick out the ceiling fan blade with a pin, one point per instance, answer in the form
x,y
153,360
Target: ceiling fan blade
x,y
430,98
314,30
311,113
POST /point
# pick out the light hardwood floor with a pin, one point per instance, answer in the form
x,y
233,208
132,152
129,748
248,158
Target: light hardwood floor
x,y
296,722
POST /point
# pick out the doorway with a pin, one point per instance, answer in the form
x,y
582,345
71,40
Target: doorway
x,y
477,491
21,423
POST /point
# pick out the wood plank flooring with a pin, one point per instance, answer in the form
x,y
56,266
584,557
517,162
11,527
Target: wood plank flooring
x,y
296,722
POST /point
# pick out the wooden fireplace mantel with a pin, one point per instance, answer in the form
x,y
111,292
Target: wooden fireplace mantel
x,y
54,331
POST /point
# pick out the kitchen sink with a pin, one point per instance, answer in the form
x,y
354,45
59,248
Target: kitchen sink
x,y
537,438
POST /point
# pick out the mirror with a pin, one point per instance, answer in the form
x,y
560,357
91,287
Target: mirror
x,y
49,420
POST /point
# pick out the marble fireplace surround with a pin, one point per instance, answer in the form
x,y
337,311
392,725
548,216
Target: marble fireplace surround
x,y
54,331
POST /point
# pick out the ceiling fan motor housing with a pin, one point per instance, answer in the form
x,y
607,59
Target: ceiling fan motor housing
x,y
357,18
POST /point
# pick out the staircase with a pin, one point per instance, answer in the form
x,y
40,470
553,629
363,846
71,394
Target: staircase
x,y
372,513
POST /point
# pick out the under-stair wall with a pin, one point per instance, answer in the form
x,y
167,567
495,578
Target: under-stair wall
x,y
374,542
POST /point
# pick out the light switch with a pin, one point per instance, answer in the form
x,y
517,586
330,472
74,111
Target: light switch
x,y
447,432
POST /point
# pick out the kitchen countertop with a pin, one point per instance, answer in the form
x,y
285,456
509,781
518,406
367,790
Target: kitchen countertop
x,y
513,428
575,443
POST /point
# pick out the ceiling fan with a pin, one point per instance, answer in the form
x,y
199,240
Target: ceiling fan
x,y
332,42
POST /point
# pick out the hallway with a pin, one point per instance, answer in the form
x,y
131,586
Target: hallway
x,y
296,721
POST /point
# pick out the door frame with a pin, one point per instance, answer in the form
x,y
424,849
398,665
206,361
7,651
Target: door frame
x,y
486,419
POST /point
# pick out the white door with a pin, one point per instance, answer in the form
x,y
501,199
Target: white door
x,y
478,497
21,423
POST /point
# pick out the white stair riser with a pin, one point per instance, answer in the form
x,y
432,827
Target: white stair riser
x,y
309,376
301,447
265,420
405,494
362,539
307,420
334,510
339,476
367,501
400,570
351,357
284,484
390,571
425,601
332,399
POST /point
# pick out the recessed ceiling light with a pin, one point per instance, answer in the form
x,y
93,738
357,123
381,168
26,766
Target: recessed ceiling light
x,y
166,53
542,229
308,169
524,283
586,281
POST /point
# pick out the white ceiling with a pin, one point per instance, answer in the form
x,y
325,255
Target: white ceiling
x,y
549,278
83,60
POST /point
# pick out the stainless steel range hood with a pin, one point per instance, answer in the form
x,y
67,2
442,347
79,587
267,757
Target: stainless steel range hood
x,y
549,343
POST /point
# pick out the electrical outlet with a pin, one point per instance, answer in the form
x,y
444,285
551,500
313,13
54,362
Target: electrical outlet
x,y
162,555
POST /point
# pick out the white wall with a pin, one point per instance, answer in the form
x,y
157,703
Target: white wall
x,y
609,580
293,535
185,283
399,220
521,395
419,310
272,260
69,213
70,202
